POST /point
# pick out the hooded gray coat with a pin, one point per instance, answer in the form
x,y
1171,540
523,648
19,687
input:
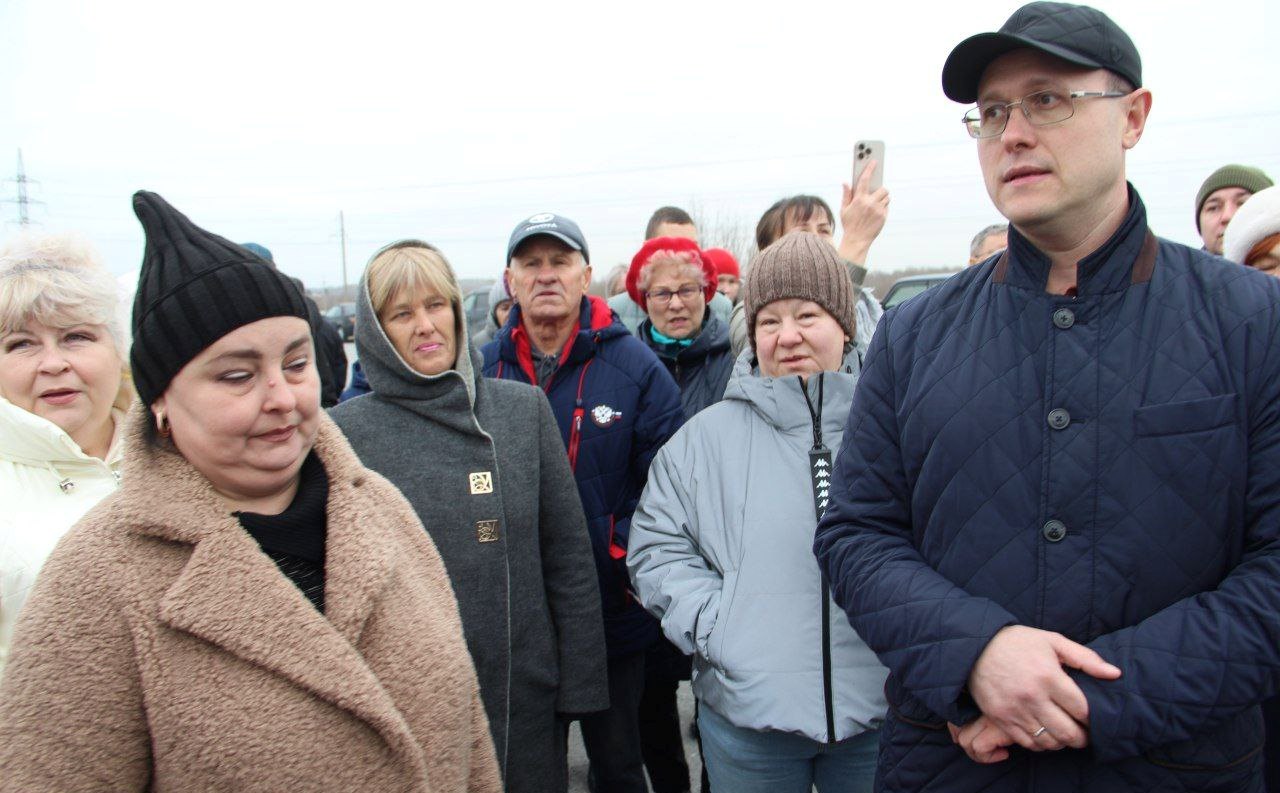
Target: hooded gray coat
x,y
482,463
721,553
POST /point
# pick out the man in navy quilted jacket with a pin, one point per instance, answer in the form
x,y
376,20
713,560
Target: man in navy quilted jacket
x,y
616,406
1057,510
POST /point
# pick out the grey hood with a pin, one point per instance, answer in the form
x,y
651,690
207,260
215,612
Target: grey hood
x,y
448,398
774,398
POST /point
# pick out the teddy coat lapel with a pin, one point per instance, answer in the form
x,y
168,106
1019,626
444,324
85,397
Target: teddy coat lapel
x,y
233,596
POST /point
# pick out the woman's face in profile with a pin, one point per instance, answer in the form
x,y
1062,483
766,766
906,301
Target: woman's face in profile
x,y
245,411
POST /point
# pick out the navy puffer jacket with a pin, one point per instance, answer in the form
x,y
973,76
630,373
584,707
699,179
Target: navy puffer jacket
x,y
1105,466
701,370
630,406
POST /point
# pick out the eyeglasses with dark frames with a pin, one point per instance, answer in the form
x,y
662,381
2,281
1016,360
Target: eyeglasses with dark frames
x,y
1051,106
661,297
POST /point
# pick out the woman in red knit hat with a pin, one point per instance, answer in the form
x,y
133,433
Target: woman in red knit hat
x,y
728,278
673,281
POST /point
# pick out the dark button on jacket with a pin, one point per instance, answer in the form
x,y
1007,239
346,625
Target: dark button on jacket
x,y
934,539
1054,530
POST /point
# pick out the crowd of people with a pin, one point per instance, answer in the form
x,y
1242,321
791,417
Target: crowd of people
x,y
1020,532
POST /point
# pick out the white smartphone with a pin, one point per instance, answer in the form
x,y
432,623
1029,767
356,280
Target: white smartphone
x,y
864,151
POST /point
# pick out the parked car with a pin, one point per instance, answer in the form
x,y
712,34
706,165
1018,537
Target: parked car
x,y
475,304
343,318
912,285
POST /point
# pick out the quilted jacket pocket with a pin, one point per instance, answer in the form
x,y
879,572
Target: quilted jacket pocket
x,y
1227,747
1178,418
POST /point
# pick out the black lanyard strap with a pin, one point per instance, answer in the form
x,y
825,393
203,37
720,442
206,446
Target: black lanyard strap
x,y
819,456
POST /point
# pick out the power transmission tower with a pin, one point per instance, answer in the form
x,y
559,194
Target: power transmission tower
x,y
342,234
23,201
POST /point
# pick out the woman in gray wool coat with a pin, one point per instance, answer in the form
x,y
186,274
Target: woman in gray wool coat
x,y
482,462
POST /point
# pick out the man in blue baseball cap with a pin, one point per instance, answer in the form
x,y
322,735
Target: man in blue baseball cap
x,y
616,405
1056,513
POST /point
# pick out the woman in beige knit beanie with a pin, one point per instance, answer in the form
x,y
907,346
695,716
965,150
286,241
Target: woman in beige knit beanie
x,y
800,307
790,698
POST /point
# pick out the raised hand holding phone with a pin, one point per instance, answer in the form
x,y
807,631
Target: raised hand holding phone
x,y
864,206
865,154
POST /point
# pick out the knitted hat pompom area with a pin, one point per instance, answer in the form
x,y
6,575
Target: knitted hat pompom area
x,y
803,266
194,288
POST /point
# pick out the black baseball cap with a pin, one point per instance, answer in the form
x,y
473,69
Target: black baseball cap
x,y
1077,34
551,225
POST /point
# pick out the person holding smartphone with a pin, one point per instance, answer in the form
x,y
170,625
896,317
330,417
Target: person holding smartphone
x,y
863,211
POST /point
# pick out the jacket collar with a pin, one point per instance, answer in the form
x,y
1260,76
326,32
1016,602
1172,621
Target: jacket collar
x,y
779,402
33,440
228,585
596,323
714,337
1127,257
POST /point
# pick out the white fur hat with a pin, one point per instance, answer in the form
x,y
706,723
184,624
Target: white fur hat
x,y
1258,219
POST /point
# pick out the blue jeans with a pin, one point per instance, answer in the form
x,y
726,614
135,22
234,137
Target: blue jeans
x,y
765,761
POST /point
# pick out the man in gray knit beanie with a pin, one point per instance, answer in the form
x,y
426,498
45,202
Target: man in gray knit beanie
x,y
804,266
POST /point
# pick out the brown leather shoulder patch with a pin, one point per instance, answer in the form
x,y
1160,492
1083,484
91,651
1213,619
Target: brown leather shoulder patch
x,y
1145,264
1002,268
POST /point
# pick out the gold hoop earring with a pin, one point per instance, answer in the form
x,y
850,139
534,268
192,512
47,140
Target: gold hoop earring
x,y
162,425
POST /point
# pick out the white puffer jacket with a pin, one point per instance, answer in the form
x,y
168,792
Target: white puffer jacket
x,y
46,484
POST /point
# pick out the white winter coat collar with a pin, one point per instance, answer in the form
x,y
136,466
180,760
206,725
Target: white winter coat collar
x,y
28,439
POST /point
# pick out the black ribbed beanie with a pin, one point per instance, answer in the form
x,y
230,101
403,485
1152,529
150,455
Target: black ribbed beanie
x,y
195,288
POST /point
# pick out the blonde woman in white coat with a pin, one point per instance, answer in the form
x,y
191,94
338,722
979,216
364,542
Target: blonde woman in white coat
x,y
62,390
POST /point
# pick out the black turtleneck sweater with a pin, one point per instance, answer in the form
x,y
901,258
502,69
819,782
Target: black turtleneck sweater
x,y
294,539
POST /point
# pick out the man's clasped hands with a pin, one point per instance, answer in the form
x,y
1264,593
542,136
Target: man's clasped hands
x,y
1026,696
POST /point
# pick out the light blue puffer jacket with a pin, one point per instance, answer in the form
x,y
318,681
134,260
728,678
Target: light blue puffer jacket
x,y
720,552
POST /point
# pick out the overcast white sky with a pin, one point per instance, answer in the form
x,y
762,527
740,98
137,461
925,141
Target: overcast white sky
x,y
453,121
